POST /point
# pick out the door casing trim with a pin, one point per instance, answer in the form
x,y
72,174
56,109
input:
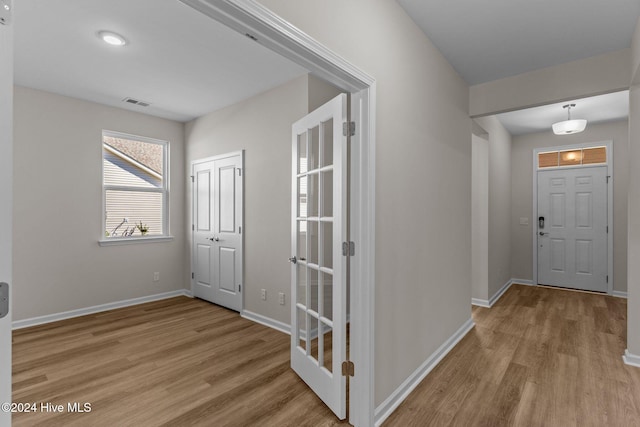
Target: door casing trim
x,y
534,229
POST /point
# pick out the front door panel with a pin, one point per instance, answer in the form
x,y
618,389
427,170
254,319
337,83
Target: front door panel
x,y
572,241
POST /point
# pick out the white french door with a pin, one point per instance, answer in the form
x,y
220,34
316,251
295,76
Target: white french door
x,y
217,230
6,205
318,268
572,228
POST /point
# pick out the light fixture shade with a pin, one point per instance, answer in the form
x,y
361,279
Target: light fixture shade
x,y
569,126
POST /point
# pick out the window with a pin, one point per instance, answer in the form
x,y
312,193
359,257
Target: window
x,y
579,156
135,187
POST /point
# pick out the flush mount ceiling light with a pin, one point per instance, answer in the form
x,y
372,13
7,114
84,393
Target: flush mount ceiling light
x,y
569,126
112,38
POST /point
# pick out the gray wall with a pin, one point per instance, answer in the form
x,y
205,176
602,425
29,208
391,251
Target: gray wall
x,y
522,193
480,217
608,72
633,308
58,265
262,127
423,177
499,219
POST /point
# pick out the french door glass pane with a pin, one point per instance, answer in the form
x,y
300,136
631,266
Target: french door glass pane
x,y
312,236
313,289
327,197
302,153
327,143
312,195
327,339
327,250
313,323
314,148
302,197
327,287
302,241
302,285
302,328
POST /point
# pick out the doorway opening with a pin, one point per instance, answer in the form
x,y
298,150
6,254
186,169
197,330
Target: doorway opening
x,y
269,30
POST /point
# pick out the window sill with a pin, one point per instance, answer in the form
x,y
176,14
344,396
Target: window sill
x,y
134,240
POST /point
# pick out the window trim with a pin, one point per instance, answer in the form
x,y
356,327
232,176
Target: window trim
x,y
165,191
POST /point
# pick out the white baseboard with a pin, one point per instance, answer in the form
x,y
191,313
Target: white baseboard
x,y
526,282
500,292
387,407
34,321
266,321
631,359
619,294
480,302
489,303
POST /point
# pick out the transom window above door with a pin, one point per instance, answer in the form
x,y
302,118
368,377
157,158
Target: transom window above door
x,y
576,157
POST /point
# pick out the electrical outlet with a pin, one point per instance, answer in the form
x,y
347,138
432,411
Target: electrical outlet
x,y
156,276
281,298
263,294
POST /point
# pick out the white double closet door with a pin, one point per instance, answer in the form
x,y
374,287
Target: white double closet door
x,y
217,230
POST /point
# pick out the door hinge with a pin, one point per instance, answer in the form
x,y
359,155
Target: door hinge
x,y
608,177
348,249
239,288
239,230
193,227
5,12
239,172
607,278
349,128
192,178
607,229
193,275
348,368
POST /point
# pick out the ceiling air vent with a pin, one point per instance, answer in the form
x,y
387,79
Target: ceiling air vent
x,y
136,102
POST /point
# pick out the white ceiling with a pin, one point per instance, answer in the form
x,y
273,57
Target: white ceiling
x,y
596,109
491,39
180,61
187,65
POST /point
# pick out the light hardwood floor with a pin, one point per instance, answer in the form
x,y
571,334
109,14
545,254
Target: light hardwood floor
x,y
539,357
177,362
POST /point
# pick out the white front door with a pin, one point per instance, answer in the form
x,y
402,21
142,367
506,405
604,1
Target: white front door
x,y
318,269
6,204
572,228
217,230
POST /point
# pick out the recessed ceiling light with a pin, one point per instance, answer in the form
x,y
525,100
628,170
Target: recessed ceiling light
x,y
112,38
